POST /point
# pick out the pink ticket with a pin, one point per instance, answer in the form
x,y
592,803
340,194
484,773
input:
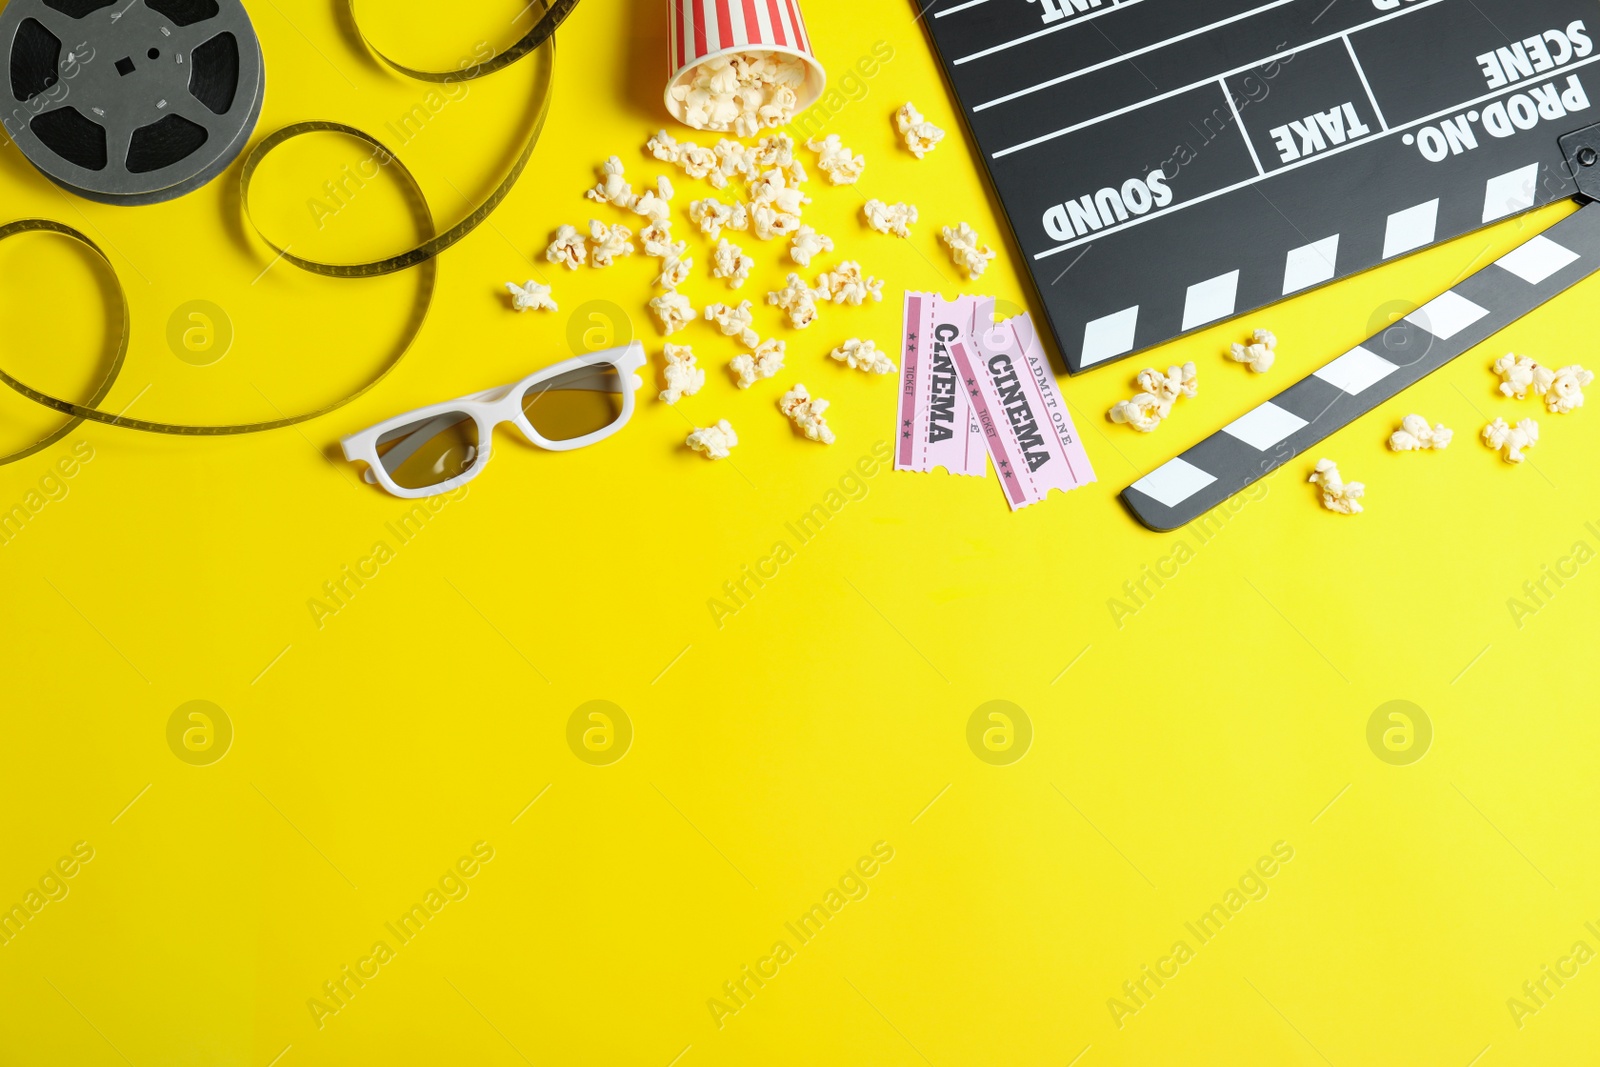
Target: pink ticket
x,y
937,426
1025,421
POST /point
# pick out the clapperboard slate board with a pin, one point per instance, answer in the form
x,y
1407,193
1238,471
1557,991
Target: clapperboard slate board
x,y
1166,164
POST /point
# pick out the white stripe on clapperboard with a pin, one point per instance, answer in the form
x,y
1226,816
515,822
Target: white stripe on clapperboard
x,y
1372,98
1266,426
1116,5
958,7
1423,121
1238,122
1192,85
1147,49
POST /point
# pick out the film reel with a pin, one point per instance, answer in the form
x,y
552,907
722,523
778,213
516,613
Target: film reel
x,y
130,102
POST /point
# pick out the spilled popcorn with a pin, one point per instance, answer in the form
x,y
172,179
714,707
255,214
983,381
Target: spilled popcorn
x,y
1157,393
864,356
728,159
734,322
1181,381
1259,353
714,442
776,188
1337,494
742,93
921,136
808,243
1415,435
835,160
965,249
1511,440
656,204
613,187
657,239
684,376
797,301
1565,393
1143,412
1562,389
1518,375
696,161
713,215
673,311
729,261
893,219
776,150
530,296
767,222
675,266
765,182
568,249
764,362
608,243
846,284
806,414
732,158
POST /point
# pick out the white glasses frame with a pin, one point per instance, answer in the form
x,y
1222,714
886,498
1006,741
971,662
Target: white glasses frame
x,y
491,408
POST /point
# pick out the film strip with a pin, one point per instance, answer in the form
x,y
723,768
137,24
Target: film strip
x,y
538,42
1278,145
1475,309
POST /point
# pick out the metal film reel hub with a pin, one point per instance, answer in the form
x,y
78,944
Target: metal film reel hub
x,y
129,101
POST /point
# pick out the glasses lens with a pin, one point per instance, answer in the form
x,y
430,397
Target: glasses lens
x,y
576,403
430,451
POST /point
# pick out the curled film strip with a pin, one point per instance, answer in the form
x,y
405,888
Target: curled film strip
x,y
540,39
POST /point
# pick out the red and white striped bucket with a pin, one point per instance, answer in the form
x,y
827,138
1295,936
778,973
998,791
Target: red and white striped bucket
x,y
705,29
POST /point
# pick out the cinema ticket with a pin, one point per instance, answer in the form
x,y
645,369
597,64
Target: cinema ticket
x,y
937,426
1006,376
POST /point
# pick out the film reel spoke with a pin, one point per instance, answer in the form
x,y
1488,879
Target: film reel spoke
x,y
42,104
185,39
118,135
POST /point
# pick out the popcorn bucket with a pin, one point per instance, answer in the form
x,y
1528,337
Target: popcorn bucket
x,y
708,29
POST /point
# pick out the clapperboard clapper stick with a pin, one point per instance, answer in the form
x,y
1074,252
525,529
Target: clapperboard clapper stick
x,y
1480,306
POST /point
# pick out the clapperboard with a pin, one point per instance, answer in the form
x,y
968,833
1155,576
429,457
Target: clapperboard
x,y
1168,164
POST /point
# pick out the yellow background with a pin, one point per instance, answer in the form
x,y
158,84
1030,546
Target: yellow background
x,y
1171,748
